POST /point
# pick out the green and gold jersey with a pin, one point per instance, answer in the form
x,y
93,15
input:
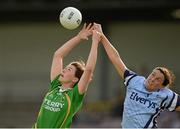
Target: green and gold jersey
x,y
59,106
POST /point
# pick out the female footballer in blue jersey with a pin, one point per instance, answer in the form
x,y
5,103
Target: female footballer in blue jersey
x,y
145,97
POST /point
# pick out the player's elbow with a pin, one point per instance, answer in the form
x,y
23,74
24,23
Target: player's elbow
x,y
114,57
113,54
57,54
89,73
88,70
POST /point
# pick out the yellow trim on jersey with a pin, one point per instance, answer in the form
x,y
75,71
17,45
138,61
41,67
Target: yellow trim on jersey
x,y
35,126
68,111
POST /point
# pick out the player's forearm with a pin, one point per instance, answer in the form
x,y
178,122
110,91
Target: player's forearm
x,y
88,72
114,56
68,46
111,51
91,62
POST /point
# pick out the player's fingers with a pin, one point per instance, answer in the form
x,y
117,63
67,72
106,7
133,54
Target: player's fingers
x,y
95,24
89,26
84,26
92,28
96,27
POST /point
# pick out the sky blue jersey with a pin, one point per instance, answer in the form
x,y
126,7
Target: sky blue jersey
x,y
141,107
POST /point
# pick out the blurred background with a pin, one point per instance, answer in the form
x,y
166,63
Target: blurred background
x,y
145,32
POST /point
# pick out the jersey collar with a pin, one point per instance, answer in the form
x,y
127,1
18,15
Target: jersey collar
x,y
61,89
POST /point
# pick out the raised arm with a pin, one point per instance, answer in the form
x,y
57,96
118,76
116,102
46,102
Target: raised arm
x,y
111,52
57,63
90,64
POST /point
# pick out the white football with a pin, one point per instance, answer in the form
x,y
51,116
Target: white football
x,y
70,18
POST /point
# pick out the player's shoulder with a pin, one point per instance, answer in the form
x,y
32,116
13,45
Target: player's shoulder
x,y
166,92
171,98
137,81
132,77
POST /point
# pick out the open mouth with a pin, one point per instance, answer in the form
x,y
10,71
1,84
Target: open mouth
x,y
61,75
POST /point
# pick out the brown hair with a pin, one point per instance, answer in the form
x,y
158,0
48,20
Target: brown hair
x,y
169,77
80,66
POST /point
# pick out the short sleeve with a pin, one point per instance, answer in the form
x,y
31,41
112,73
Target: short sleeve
x,y
54,83
77,98
128,76
172,101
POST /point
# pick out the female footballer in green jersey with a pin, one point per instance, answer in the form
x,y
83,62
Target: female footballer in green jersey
x,y
69,84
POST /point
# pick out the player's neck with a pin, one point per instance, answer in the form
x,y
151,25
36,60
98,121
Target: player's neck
x,y
67,85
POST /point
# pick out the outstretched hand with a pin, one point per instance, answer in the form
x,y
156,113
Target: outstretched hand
x,y
96,37
86,31
98,27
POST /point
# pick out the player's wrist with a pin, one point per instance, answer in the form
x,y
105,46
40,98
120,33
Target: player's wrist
x,y
79,36
102,36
